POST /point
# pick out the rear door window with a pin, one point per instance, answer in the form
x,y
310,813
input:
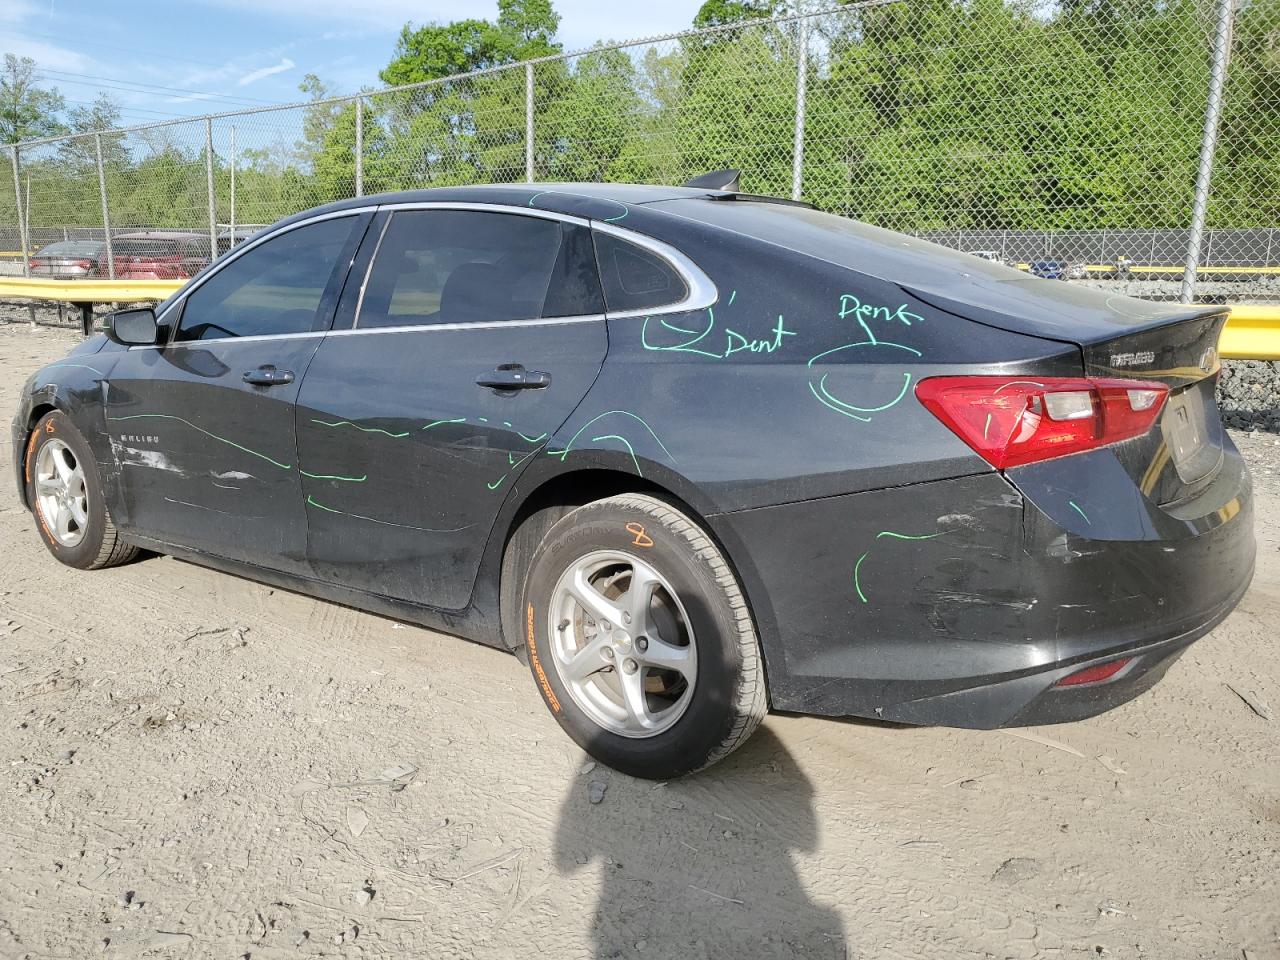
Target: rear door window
x,y
634,278
275,288
464,266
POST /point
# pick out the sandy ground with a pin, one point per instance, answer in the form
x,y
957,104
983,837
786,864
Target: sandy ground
x,y
195,765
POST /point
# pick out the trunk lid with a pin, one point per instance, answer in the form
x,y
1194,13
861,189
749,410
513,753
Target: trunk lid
x,y
1120,338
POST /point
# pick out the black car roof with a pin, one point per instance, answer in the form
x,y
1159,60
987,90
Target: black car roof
x,y
557,197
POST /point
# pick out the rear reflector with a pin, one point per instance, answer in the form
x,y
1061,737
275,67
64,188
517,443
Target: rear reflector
x,y
1011,422
1103,671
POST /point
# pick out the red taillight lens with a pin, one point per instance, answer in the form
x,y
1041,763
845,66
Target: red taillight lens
x,y
1103,671
33,262
1010,421
84,264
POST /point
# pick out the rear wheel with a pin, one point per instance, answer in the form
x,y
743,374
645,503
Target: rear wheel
x,y
64,492
640,640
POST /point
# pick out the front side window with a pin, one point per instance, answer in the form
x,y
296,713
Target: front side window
x,y
464,266
277,287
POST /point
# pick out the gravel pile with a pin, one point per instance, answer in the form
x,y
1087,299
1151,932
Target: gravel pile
x,y
1249,394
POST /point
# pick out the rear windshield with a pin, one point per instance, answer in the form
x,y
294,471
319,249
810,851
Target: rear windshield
x,y
147,248
72,248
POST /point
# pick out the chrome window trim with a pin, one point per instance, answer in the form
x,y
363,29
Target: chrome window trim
x,y
235,253
470,325
702,292
370,331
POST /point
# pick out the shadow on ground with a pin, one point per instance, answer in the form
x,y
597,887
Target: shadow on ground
x,y
667,876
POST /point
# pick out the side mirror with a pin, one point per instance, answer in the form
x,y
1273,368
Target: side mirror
x,y
133,328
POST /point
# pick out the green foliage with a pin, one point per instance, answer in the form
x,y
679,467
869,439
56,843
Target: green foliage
x,y
26,111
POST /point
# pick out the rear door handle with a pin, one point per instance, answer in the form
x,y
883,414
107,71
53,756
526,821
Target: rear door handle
x,y
513,376
267,376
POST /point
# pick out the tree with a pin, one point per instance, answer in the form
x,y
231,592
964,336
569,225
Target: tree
x,y
26,111
524,29
467,129
717,13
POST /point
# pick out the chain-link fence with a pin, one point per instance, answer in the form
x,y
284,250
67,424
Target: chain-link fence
x,y
1075,132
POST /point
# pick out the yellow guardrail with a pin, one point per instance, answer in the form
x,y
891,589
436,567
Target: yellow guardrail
x,y
1252,332
1151,268
86,291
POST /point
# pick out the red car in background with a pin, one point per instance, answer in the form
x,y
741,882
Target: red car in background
x,y
160,255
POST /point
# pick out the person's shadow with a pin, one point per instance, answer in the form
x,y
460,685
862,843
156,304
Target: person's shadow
x,y
702,867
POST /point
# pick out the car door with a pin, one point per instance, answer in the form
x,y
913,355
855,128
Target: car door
x,y
475,333
202,426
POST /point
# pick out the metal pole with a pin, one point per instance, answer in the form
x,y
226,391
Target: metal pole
x,y
359,147
213,205
1213,111
106,216
528,123
22,227
802,83
233,185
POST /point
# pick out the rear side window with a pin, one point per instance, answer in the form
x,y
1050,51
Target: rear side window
x,y
277,287
635,279
463,266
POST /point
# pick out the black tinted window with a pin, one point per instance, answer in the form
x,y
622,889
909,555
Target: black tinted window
x,y
274,288
634,278
461,266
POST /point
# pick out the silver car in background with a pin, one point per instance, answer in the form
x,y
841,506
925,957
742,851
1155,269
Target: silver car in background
x,y
70,260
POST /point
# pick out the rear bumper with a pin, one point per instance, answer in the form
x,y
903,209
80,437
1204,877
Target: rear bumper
x,y
1033,699
962,602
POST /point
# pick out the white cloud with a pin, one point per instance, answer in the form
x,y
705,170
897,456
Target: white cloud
x,y
281,67
47,55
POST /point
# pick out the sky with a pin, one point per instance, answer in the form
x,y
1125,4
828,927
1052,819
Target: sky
x,y
162,59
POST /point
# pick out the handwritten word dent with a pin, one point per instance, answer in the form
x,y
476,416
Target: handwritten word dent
x,y
757,346
735,342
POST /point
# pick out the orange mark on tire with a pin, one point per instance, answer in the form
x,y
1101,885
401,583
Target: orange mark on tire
x,y
552,700
642,539
31,449
48,427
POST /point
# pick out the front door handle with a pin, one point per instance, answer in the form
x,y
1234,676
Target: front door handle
x,y
513,376
267,376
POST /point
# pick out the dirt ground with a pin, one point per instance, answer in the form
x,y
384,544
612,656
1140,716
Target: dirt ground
x,y
195,765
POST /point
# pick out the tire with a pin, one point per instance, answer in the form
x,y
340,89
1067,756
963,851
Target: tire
x,y
637,711
59,458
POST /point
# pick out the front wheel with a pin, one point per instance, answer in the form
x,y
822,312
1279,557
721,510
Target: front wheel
x,y
640,640
64,492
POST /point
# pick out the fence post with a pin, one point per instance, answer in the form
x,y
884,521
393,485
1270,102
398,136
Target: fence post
x,y
22,225
528,123
233,185
1209,141
802,83
359,146
213,205
106,216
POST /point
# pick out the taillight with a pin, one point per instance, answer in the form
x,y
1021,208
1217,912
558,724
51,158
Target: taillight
x,y
84,264
33,262
1010,421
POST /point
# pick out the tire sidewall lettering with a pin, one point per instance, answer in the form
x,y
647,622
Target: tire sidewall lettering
x,y
535,661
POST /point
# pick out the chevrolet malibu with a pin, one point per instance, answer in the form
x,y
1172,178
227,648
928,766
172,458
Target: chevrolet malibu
x,y
692,454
